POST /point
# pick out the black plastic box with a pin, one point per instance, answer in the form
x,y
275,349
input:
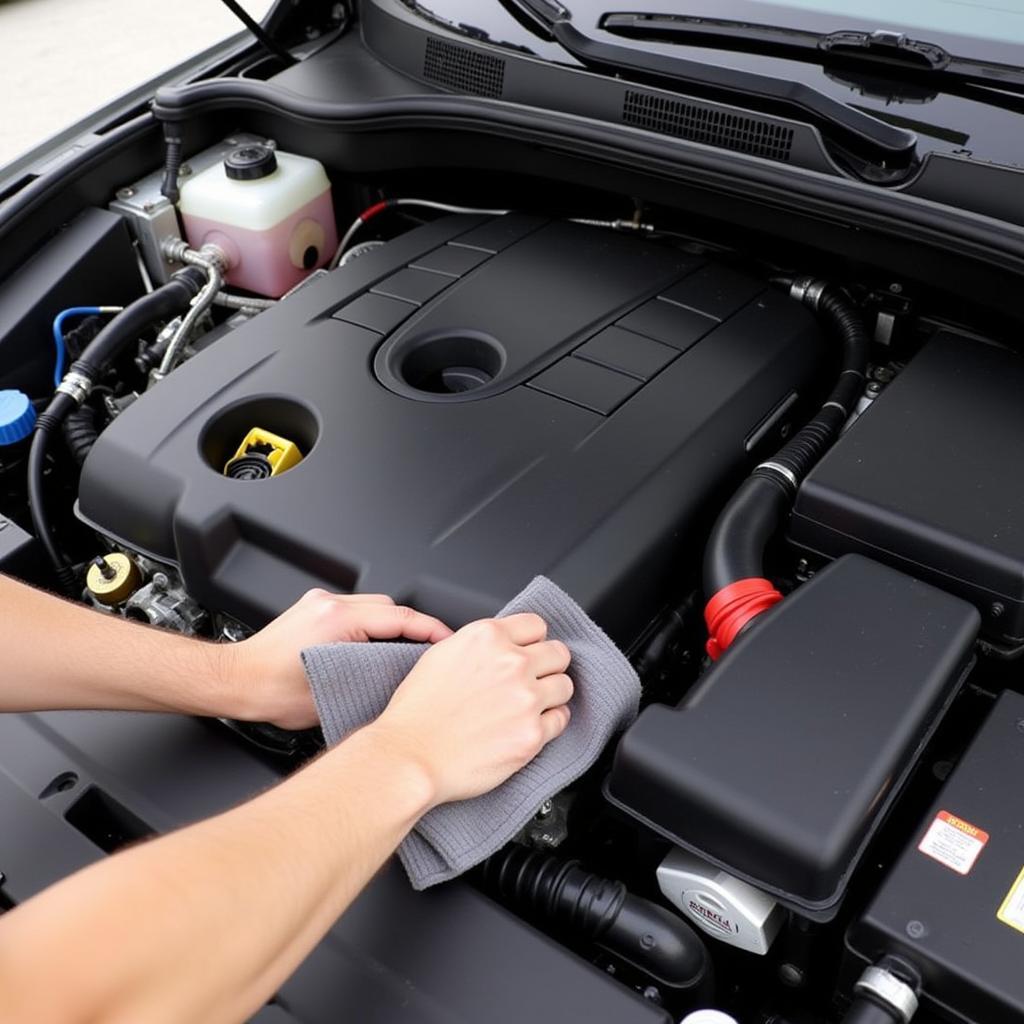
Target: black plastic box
x,y
783,762
89,261
943,910
929,480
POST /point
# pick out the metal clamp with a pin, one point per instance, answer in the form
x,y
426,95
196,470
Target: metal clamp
x,y
807,290
885,988
76,385
782,471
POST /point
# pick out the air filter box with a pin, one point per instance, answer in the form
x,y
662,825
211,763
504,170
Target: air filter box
x,y
953,905
784,761
926,480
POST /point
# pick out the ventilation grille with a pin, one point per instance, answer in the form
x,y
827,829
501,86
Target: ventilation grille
x,y
463,69
703,124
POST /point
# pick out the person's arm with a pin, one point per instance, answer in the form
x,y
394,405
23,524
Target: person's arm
x,y
203,925
63,655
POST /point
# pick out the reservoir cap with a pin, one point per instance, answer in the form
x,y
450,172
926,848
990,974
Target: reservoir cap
x,y
249,162
17,417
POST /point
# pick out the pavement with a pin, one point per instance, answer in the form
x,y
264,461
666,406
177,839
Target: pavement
x,y
61,59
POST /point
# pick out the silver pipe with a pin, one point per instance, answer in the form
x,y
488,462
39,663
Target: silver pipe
x,y
212,261
230,301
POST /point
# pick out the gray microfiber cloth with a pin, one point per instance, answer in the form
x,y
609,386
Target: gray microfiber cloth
x,y
352,684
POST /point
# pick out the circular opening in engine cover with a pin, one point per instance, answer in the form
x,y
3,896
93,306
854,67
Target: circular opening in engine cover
x,y
259,438
447,365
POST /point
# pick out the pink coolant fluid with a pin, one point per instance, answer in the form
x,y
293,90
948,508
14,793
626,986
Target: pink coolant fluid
x,y
270,213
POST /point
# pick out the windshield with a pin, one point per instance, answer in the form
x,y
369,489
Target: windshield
x,y
978,19
985,29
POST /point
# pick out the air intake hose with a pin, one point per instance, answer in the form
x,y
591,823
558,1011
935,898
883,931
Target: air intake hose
x,y
561,893
734,561
80,432
170,300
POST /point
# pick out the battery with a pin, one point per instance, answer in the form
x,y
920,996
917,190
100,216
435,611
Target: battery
x,y
953,904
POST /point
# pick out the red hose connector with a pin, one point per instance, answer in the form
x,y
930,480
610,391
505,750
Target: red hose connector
x,y
733,607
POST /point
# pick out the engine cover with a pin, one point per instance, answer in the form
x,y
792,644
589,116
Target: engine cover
x,y
478,401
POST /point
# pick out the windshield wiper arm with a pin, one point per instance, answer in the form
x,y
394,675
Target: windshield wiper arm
x,y
870,139
892,51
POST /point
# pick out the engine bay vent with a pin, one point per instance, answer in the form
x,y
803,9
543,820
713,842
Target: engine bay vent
x,y
707,125
463,69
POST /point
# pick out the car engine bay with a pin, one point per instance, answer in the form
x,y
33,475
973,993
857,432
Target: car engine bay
x,y
780,480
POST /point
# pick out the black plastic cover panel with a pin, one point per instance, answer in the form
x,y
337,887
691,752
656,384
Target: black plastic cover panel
x,y
476,405
90,261
446,956
953,904
787,756
926,479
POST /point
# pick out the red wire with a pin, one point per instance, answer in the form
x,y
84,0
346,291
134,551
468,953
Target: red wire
x,y
372,211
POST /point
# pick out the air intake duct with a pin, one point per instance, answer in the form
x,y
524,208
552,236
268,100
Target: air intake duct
x,y
733,563
561,893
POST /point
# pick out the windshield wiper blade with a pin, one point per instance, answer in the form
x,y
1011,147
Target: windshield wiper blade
x,y
894,52
891,149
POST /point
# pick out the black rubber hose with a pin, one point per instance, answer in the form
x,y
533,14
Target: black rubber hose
x,y
561,893
48,421
864,1011
170,300
742,531
756,511
173,144
80,432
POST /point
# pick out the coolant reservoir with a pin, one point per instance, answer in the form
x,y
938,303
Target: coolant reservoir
x,y
269,212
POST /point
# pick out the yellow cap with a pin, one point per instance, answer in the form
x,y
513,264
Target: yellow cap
x,y
113,578
262,454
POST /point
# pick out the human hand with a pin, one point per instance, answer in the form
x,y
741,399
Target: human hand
x,y
480,705
265,678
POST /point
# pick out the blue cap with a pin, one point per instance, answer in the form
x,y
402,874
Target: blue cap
x,y
17,417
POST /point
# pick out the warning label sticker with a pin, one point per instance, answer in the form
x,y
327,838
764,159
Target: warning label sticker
x,y
1012,910
954,842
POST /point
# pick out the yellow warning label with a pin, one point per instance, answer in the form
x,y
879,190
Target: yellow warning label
x,y
1012,910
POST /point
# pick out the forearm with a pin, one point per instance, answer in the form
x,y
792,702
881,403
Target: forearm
x,y
62,655
234,903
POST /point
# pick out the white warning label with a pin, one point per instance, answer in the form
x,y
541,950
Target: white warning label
x,y
954,842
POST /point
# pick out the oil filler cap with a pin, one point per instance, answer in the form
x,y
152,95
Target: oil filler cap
x,y
262,455
250,162
17,417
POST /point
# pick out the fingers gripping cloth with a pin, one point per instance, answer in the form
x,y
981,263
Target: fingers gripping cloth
x,y
352,684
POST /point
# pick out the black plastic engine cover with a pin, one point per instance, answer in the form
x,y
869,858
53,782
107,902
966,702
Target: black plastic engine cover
x,y
478,401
